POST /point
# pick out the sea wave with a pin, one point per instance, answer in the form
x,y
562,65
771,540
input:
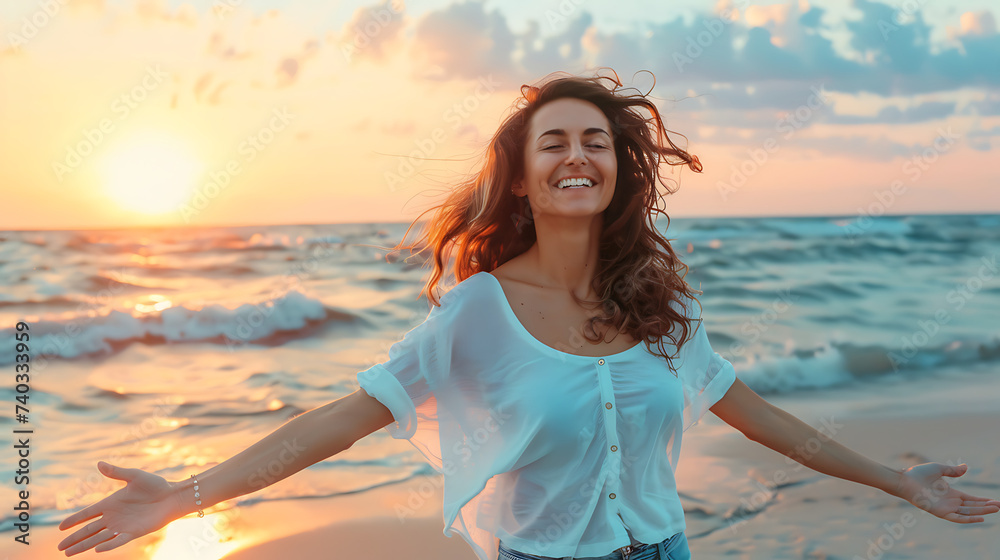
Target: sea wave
x,y
269,323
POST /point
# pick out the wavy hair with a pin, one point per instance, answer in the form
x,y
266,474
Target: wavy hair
x,y
638,273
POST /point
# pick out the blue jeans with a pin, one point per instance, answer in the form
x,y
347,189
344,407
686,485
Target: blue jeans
x,y
672,548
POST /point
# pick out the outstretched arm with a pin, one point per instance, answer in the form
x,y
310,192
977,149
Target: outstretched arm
x,y
148,502
921,485
302,441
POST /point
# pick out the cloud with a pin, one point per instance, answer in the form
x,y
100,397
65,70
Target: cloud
x,y
859,146
989,105
781,95
812,18
156,10
374,30
463,41
201,86
982,140
978,23
217,47
745,70
287,70
542,55
891,114
892,55
741,70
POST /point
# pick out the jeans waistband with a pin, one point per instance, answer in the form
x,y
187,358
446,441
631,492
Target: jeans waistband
x,y
625,552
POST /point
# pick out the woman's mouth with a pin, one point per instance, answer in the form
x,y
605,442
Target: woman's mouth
x,y
574,183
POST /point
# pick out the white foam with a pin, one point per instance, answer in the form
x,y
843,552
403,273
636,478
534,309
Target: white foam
x,y
83,335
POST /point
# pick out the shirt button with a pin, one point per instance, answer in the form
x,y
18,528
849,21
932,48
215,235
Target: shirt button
x,y
611,495
607,406
614,448
600,362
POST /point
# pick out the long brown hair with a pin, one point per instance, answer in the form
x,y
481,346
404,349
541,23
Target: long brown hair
x,y
638,272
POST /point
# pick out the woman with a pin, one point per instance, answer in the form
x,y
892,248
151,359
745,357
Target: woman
x,y
547,417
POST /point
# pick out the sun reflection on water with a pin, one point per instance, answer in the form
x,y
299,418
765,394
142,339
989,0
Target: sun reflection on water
x,y
207,538
161,303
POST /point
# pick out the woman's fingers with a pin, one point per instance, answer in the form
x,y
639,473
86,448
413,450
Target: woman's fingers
x,y
84,514
977,510
112,544
90,542
82,533
118,473
971,512
94,510
978,500
959,518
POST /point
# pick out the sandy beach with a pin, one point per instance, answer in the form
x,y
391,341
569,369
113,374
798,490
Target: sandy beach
x,y
356,525
789,511
742,499
809,515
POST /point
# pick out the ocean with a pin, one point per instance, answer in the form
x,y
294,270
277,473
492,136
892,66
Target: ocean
x,y
171,349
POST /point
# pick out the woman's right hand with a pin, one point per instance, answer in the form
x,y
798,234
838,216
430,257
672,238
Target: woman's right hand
x,y
146,504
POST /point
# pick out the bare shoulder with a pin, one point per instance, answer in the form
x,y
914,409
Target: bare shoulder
x,y
512,271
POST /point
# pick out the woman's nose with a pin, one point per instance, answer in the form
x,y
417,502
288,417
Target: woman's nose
x,y
576,154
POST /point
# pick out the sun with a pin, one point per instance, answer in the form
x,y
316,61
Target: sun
x,y
151,174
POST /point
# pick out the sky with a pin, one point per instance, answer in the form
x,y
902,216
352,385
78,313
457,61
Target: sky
x,y
123,113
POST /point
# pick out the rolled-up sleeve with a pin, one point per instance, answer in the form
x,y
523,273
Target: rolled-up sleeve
x,y
704,374
401,382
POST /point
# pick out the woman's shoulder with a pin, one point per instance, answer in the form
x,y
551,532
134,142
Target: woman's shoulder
x,y
467,291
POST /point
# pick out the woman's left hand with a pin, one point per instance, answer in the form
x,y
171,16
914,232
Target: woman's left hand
x,y
925,487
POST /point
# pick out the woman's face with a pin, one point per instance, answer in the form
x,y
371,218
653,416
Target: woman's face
x,y
568,137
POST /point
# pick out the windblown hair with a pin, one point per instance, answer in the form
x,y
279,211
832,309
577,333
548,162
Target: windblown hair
x,y
638,272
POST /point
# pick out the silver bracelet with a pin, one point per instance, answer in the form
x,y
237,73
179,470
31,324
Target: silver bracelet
x,y
197,495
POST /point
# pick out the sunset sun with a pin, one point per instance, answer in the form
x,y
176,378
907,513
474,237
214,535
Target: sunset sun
x,y
151,175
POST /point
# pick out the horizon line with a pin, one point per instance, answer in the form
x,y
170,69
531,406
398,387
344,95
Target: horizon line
x,y
702,217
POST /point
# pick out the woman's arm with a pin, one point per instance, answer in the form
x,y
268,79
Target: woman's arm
x,y
148,502
302,441
920,485
776,429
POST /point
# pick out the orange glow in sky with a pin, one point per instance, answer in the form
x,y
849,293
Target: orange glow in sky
x,y
127,113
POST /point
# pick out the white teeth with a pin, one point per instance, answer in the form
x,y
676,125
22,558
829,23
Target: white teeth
x,y
578,182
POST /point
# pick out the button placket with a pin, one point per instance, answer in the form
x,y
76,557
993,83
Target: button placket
x,y
610,424
613,461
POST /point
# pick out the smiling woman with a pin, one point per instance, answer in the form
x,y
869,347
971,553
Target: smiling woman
x,y
153,174
554,442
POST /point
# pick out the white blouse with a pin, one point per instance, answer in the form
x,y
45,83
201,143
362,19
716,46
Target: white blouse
x,y
553,453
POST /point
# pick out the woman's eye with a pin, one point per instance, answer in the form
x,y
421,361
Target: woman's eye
x,y
588,145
